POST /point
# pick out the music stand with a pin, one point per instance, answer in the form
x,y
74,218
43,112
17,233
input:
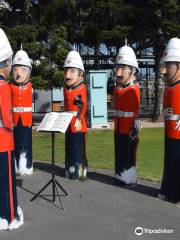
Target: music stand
x,y
55,183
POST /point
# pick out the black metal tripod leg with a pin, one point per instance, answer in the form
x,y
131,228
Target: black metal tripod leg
x,y
58,195
64,191
42,189
53,190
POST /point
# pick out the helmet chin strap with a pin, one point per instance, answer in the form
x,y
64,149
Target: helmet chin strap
x,y
170,80
20,83
131,81
72,84
76,83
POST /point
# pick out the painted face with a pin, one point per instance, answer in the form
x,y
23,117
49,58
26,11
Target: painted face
x,y
170,72
123,74
20,73
72,76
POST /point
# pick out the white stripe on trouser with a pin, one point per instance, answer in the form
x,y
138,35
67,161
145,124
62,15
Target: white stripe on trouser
x,y
1,123
124,114
22,109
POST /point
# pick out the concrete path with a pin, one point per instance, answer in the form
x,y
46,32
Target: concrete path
x,y
146,123
94,210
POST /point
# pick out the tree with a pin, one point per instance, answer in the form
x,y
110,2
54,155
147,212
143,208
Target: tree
x,y
47,27
29,23
156,21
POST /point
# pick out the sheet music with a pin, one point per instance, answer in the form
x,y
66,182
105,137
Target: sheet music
x,y
55,122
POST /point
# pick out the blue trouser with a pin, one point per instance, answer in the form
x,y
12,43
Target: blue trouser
x,y
170,186
125,152
23,143
75,153
8,194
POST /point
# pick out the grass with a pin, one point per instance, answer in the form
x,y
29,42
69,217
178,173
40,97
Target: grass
x,y
150,154
100,150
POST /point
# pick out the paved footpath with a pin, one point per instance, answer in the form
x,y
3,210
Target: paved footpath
x,y
94,210
146,123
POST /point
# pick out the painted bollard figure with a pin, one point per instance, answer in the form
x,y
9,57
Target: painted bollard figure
x,y
127,125
75,100
21,89
11,215
170,187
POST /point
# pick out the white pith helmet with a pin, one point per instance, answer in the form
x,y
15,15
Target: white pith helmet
x,y
73,59
21,58
172,51
5,47
127,56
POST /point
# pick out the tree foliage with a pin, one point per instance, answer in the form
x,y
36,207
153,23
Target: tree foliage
x,y
29,23
46,27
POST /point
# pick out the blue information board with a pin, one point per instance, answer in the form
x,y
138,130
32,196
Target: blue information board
x,y
97,98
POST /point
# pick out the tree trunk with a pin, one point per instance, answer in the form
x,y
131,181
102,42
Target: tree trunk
x,y
158,50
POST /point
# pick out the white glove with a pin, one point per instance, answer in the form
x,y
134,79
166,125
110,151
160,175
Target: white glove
x,y
137,125
169,115
177,125
78,125
168,111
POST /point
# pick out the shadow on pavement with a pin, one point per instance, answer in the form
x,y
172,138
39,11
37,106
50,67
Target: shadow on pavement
x,y
51,198
46,167
19,182
140,188
103,178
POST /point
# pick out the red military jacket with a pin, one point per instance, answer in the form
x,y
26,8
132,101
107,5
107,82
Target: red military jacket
x,y
22,103
6,132
71,96
172,100
126,106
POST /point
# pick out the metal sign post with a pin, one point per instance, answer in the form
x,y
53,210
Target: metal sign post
x,y
54,122
53,181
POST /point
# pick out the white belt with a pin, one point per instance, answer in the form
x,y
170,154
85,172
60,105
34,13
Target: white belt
x,y
1,123
74,113
22,109
170,116
124,114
